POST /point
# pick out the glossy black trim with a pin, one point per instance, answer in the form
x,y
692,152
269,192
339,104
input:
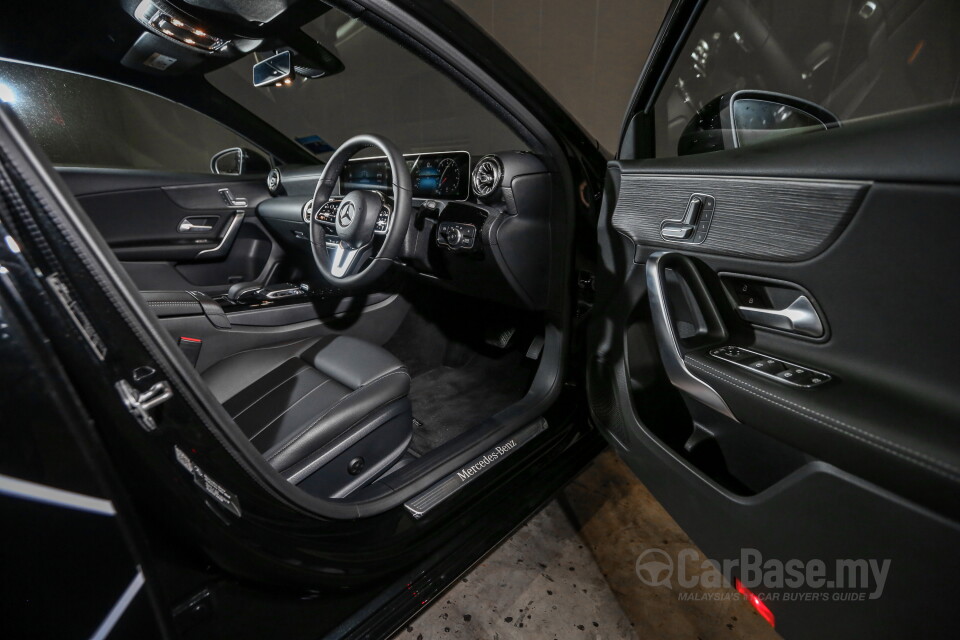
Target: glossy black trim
x,y
673,33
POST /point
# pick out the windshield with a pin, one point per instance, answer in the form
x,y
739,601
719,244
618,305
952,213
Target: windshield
x,y
384,89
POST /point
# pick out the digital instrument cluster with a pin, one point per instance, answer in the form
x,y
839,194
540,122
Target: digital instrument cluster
x,y
444,175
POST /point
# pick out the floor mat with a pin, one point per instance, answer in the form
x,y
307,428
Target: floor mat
x,y
448,401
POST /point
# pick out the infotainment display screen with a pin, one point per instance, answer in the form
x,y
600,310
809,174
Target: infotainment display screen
x,y
444,175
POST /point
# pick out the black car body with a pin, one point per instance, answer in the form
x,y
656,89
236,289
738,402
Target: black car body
x,y
646,288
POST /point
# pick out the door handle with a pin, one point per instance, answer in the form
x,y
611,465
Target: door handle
x,y
197,224
800,316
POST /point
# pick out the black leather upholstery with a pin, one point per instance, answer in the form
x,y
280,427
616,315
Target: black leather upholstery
x,y
297,400
172,303
167,304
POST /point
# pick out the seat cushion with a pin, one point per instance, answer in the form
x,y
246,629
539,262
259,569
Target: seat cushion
x,y
294,400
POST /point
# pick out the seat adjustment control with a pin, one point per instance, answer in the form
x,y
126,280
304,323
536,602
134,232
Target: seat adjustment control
x,y
783,372
694,224
677,232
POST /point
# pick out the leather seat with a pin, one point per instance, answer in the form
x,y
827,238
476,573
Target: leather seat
x,y
303,403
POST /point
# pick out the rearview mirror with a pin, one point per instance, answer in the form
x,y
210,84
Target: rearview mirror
x,y
745,118
273,70
238,161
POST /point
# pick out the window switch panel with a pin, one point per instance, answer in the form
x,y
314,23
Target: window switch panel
x,y
784,372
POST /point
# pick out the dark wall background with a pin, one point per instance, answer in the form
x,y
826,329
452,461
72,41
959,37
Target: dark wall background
x,y
587,53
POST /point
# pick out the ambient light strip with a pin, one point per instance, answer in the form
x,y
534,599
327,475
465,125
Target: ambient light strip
x,y
58,497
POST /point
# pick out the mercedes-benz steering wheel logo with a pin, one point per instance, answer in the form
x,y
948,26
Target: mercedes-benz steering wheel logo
x,y
347,212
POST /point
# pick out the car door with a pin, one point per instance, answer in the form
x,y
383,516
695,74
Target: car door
x,y
774,341
142,167
175,231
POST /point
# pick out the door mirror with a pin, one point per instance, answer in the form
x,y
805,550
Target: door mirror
x,y
745,118
239,161
274,70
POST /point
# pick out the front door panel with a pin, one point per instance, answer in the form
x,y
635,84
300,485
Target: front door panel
x,y
179,231
787,383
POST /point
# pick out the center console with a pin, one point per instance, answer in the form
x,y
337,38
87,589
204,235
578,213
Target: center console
x,y
244,294
208,328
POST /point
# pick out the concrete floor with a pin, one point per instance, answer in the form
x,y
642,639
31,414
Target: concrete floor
x,y
571,573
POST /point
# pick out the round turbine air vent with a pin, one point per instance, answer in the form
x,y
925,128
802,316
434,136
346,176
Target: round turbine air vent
x,y
487,176
273,180
307,210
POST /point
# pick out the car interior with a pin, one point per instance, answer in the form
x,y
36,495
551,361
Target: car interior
x,y
384,371
356,315
388,293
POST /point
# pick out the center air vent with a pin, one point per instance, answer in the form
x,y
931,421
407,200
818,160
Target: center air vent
x,y
487,176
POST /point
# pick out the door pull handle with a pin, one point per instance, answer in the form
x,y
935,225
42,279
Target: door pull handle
x,y
195,225
800,316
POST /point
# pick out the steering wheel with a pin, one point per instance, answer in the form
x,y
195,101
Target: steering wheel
x,y
356,216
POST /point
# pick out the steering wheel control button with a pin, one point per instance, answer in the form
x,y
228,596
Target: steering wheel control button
x,y
456,235
770,367
327,212
383,220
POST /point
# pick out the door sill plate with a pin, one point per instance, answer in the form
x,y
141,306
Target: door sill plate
x,y
419,505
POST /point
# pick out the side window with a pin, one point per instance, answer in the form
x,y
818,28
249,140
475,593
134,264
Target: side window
x,y
83,121
855,59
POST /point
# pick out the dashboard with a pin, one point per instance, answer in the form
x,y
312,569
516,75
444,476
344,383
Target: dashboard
x,y
481,226
444,175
